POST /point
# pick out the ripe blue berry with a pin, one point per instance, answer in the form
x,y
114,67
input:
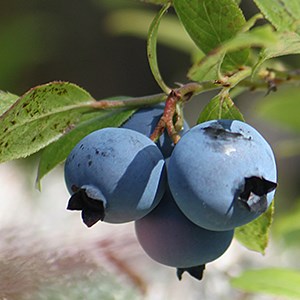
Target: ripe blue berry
x,y
222,174
145,121
115,175
170,238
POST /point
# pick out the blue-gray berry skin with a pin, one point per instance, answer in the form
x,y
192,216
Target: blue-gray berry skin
x,y
115,175
222,174
170,238
145,121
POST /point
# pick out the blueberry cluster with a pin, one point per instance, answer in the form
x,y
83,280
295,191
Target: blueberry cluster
x,y
186,199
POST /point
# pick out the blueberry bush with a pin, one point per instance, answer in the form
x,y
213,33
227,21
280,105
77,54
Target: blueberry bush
x,y
190,189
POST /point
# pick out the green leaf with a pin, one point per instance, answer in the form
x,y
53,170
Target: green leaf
x,y
288,43
151,48
255,235
210,23
251,22
209,67
220,107
56,152
283,14
282,107
40,117
6,101
273,281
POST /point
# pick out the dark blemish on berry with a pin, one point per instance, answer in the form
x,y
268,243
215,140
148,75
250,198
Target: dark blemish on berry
x,y
105,153
90,163
218,132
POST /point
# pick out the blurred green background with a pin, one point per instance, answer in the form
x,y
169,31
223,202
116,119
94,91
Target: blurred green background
x,y
100,45
43,41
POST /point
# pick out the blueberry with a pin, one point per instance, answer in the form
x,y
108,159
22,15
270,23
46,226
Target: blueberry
x,y
222,174
170,238
115,175
145,121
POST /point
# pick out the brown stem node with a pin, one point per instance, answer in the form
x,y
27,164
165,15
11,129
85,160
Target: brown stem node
x,y
167,119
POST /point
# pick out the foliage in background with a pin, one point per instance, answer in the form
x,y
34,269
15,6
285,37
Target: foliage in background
x,y
274,281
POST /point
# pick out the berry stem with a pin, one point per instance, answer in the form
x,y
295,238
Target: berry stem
x,y
159,130
170,113
167,119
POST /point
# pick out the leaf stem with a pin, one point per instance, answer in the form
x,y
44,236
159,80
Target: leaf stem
x,y
129,102
239,79
230,81
186,91
152,48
